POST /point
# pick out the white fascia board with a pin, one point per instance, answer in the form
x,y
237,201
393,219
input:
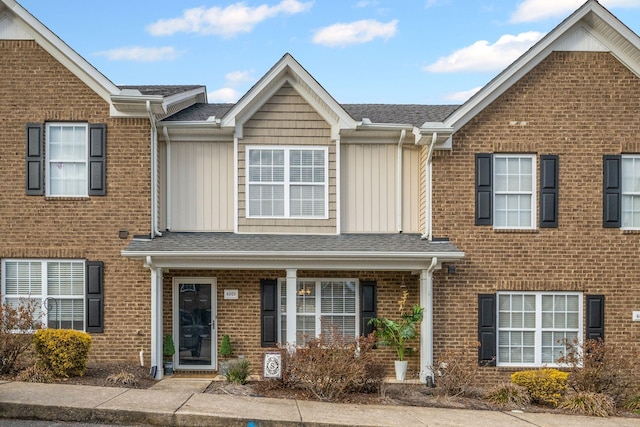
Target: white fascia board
x,y
199,94
525,63
281,260
201,131
288,70
68,57
128,105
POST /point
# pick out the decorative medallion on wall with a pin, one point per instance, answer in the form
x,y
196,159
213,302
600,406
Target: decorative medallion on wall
x,y
272,365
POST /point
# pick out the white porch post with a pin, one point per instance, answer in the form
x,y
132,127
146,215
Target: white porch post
x,y
156,321
292,287
426,326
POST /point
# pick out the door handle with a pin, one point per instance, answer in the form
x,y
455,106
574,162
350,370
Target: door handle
x,y
212,324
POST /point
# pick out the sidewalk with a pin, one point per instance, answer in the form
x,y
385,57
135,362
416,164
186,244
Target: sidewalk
x,y
174,404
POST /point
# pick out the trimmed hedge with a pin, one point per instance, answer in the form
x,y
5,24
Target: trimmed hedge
x,y
545,386
64,352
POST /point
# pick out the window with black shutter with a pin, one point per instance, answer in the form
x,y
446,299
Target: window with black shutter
x,y
268,312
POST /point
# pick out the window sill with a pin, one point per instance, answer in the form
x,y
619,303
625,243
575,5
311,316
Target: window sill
x,y
66,198
630,231
517,230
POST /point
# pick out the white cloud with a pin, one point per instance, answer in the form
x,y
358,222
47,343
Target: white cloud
x,y
140,54
482,56
536,10
226,94
461,96
226,22
344,34
232,80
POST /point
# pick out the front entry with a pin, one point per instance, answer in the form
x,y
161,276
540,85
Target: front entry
x,y
194,323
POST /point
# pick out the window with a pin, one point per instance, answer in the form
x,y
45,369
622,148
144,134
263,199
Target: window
x,y
67,159
58,287
287,182
631,192
514,201
320,306
533,326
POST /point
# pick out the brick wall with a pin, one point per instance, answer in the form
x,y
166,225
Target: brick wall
x,y
580,106
36,88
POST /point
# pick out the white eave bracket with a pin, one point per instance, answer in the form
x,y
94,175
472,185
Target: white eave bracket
x,y
425,134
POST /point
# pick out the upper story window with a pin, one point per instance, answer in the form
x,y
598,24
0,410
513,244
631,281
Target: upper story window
x,y
630,192
514,179
287,182
67,159
533,327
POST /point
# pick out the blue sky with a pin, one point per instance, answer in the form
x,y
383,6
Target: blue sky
x,y
360,51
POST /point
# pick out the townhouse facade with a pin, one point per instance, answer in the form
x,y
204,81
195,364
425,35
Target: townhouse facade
x,y
145,210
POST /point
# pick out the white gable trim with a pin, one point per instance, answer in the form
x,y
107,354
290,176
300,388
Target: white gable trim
x,y
591,27
288,70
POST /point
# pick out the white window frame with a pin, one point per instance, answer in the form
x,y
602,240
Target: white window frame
x,y
538,329
532,193
627,195
286,183
282,307
44,296
51,161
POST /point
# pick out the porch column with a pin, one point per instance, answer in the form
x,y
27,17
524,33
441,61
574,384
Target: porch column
x,y
156,321
292,288
426,326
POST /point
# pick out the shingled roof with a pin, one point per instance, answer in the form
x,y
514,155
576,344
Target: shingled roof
x,y
413,114
163,90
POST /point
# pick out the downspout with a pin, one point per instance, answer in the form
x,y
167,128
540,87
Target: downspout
x,y
154,174
426,326
338,187
156,319
428,234
168,213
399,183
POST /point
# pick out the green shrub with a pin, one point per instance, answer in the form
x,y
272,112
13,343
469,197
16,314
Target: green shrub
x,y
545,386
17,322
633,404
225,347
588,403
600,367
64,352
509,394
238,372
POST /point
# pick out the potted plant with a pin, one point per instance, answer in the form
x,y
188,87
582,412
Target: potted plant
x,y
225,351
168,350
394,333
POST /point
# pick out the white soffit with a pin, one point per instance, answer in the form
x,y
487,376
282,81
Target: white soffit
x,y
10,28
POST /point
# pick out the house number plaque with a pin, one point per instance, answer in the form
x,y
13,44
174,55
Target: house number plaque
x,y
230,294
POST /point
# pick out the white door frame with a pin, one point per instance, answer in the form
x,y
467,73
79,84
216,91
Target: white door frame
x,y
177,281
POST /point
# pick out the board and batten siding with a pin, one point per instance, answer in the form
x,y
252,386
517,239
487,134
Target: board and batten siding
x,y
286,119
369,188
201,186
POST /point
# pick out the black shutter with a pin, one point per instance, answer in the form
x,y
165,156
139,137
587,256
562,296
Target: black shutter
x,y
484,189
549,191
487,329
34,160
269,313
97,160
95,296
367,306
611,209
595,317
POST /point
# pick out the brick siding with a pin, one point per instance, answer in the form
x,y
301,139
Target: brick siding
x,y
579,106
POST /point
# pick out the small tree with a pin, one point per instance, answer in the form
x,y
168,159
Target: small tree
x,y
16,326
168,349
225,347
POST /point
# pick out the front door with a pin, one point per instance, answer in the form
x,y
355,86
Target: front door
x,y
194,323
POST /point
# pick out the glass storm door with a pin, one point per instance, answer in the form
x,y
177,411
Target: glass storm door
x,y
194,323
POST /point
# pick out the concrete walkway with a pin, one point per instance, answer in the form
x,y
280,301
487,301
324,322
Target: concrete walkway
x,y
181,403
